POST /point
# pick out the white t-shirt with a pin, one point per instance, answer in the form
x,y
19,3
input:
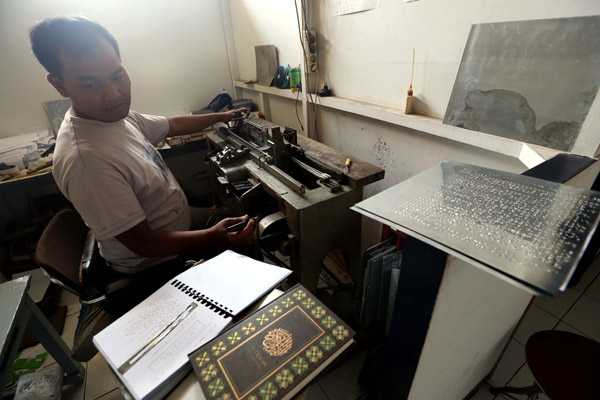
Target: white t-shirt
x,y
115,178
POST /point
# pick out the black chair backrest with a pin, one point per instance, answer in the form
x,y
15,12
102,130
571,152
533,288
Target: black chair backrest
x,y
60,247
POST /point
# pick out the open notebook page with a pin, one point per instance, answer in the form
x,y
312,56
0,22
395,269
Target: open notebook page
x,y
233,281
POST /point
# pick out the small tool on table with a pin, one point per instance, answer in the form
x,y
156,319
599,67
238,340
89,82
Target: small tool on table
x,y
347,167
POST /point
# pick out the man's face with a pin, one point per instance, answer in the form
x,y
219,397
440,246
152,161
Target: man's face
x,y
97,84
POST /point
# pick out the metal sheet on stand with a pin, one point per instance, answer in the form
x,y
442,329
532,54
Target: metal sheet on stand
x,y
529,230
266,63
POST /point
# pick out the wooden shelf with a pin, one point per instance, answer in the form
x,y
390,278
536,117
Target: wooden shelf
x,y
529,154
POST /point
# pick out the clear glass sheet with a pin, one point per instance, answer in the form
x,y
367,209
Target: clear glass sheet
x,y
531,230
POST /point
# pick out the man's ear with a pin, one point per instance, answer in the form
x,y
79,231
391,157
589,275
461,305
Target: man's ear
x,y
57,83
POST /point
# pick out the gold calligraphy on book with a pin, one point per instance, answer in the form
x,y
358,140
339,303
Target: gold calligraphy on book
x,y
277,342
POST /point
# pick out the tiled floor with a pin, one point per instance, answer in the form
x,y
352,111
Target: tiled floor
x,y
577,311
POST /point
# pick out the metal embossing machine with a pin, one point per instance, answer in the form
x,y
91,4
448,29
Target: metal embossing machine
x,y
296,187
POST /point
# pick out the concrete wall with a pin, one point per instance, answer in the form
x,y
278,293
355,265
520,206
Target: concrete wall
x,y
175,53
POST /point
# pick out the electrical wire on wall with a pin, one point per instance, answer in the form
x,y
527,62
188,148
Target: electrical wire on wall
x,y
305,85
304,55
314,102
296,107
315,107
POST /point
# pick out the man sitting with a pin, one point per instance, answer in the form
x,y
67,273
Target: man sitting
x,y
106,163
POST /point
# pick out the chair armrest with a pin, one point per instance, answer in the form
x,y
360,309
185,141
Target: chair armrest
x,y
94,274
87,256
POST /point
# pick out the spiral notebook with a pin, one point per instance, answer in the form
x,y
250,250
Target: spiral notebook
x,y
147,347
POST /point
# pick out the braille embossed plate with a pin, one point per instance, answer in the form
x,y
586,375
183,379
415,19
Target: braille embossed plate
x,y
529,230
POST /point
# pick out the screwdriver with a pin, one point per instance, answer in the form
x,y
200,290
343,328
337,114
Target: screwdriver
x,y
347,167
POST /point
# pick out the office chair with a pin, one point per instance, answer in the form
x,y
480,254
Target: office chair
x,y
565,366
68,255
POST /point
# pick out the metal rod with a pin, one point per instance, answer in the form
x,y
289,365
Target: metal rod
x,y
262,159
309,169
294,184
160,335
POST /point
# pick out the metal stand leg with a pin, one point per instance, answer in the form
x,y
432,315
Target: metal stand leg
x,y
56,346
10,350
532,391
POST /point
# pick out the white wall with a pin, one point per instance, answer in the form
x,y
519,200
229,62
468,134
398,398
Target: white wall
x,y
367,57
264,22
175,53
401,152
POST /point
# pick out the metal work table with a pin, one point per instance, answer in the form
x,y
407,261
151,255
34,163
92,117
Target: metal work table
x,y
17,312
318,220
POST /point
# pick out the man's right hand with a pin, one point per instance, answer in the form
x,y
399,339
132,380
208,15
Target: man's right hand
x,y
145,242
242,237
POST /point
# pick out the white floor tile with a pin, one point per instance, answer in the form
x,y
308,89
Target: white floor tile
x,y
68,335
483,393
588,276
71,301
534,320
50,361
312,392
594,289
512,359
100,379
70,392
341,383
33,351
563,326
74,391
114,395
523,378
541,396
38,285
585,317
596,261
560,304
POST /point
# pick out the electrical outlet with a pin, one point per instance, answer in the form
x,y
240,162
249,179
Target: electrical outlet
x,y
310,46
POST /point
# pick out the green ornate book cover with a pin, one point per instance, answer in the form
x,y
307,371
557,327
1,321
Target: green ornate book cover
x,y
271,352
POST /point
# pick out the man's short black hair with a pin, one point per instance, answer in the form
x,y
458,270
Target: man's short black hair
x,y
77,36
